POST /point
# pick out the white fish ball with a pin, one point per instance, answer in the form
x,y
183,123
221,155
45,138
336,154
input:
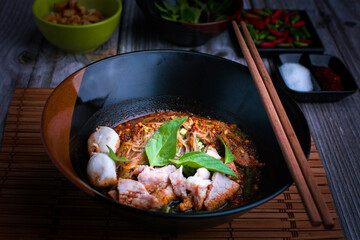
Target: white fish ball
x,y
101,170
103,136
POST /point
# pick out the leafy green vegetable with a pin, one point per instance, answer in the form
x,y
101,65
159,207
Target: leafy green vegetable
x,y
188,171
190,14
203,160
194,11
160,8
162,145
229,157
113,156
250,175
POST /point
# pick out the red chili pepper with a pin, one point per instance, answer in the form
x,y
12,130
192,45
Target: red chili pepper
x,y
286,33
266,44
280,40
276,14
286,18
276,33
298,24
293,13
258,23
290,39
267,21
305,40
250,15
273,20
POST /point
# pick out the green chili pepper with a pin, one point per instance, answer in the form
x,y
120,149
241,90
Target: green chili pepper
x,y
262,13
251,30
285,45
268,10
300,33
305,31
295,18
284,27
296,33
300,44
263,35
271,38
270,26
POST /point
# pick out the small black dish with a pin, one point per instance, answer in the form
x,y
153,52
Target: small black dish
x,y
311,62
316,46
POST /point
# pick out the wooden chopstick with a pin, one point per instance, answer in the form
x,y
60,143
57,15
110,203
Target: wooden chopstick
x,y
280,134
294,142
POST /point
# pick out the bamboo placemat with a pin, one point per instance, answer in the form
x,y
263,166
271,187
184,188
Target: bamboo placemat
x,y
37,202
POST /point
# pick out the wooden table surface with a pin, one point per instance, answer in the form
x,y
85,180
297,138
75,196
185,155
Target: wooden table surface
x,y
28,60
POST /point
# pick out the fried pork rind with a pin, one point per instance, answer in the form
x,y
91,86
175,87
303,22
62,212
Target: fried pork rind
x,y
72,14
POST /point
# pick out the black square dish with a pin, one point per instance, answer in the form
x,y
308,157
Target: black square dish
x,y
312,62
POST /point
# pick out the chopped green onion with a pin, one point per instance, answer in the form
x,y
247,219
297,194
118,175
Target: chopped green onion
x,y
200,144
183,131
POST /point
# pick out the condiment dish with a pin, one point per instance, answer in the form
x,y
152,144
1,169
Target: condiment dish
x,y
311,62
78,38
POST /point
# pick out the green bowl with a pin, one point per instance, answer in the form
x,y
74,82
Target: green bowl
x,y
78,38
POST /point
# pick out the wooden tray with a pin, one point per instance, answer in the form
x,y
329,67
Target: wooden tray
x,y
37,202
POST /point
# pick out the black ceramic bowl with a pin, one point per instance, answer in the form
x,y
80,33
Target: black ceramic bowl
x,y
186,34
311,61
133,84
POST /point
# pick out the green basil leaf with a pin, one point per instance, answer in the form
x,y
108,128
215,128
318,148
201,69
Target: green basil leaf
x,y
190,14
170,17
113,156
203,160
162,145
160,8
229,157
172,9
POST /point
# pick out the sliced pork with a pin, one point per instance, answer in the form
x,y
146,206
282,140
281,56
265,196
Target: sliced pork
x,y
198,186
220,189
178,183
155,178
164,195
133,193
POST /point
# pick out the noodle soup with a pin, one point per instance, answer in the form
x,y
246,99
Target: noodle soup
x,y
174,162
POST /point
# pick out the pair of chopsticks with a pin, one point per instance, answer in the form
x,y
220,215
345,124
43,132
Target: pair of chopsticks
x,y
289,144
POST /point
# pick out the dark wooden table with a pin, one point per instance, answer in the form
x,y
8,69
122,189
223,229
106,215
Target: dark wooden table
x,y
27,59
